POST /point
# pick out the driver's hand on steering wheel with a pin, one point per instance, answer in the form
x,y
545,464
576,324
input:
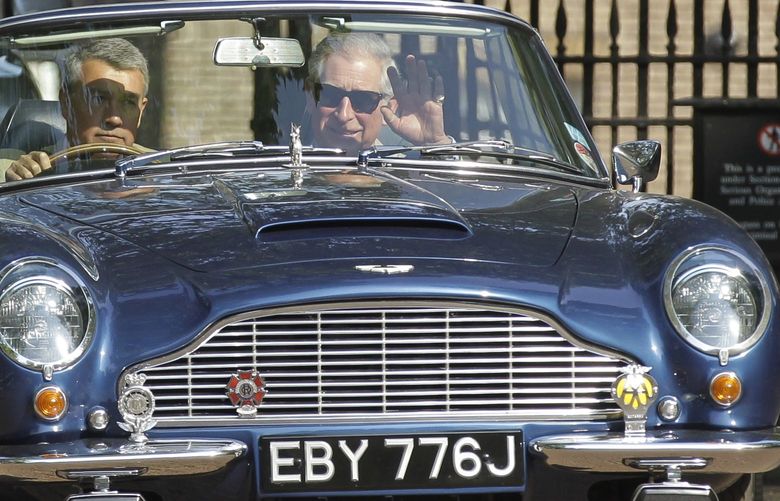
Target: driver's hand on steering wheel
x,y
28,166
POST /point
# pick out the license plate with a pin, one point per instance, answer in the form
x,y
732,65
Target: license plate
x,y
430,461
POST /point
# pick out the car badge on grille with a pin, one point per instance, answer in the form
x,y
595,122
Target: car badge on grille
x,y
387,269
635,391
136,405
246,390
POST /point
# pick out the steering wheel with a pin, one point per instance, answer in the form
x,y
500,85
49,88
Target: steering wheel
x,y
86,149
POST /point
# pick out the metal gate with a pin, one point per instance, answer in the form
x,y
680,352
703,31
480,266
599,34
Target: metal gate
x,y
638,67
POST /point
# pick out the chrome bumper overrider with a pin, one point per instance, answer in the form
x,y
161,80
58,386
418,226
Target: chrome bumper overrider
x,y
703,451
116,457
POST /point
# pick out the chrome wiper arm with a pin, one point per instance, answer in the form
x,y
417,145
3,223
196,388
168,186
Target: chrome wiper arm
x,y
228,148
382,151
221,149
495,148
487,147
501,149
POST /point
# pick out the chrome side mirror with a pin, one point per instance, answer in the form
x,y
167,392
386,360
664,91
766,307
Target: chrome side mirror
x,y
636,162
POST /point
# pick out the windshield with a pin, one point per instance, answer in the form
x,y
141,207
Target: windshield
x,y
318,81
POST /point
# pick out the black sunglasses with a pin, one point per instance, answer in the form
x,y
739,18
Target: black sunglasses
x,y
363,101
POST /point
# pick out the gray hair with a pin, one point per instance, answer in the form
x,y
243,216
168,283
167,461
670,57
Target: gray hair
x,y
353,44
117,52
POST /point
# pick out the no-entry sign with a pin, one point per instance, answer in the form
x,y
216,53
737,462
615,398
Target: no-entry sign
x,y
769,139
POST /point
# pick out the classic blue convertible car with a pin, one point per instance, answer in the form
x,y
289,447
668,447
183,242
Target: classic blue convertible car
x,y
266,249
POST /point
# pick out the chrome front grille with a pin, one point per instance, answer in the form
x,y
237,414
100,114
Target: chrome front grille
x,y
386,362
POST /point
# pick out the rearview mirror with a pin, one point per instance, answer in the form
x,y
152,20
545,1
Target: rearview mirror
x,y
272,53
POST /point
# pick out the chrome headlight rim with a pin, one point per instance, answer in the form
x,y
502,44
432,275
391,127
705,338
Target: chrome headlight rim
x,y
14,276
747,272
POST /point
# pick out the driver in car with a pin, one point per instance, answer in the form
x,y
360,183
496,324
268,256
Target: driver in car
x,y
105,83
356,90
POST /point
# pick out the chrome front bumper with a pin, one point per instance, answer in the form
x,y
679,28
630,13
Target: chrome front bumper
x,y
116,458
704,451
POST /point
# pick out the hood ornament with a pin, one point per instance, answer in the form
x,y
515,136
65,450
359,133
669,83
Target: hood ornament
x,y
296,156
136,405
246,390
635,391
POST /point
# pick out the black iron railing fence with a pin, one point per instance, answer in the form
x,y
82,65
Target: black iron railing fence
x,y
721,46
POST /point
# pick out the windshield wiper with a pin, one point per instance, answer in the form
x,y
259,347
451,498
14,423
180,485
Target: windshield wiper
x,y
230,148
488,148
221,149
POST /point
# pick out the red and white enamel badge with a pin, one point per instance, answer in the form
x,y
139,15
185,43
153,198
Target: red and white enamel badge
x,y
245,391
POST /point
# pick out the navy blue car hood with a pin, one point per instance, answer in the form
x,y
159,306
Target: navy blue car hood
x,y
223,222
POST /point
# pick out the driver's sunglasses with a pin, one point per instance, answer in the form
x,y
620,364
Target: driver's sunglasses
x,y
363,101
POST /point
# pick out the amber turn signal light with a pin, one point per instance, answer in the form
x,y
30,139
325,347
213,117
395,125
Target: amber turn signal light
x,y
50,403
725,388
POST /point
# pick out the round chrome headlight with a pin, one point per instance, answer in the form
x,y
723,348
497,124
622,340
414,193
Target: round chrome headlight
x,y
45,315
717,300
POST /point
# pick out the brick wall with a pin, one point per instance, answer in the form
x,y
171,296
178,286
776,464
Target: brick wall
x,y
189,119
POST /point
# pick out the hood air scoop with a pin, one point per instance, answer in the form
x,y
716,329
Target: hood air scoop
x,y
352,218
